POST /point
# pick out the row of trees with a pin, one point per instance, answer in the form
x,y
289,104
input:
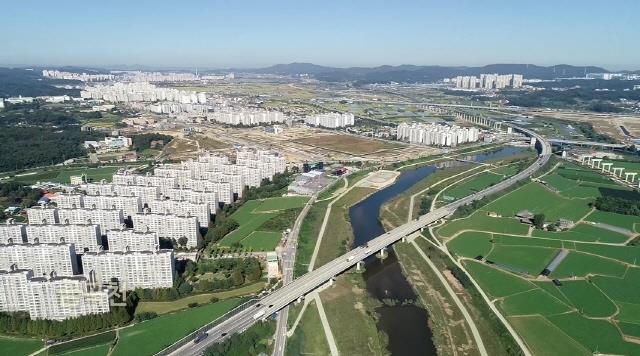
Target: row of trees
x,y
618,205
252,342
143,141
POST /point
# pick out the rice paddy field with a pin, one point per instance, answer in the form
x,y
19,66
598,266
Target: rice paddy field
x,y
252,217
596,307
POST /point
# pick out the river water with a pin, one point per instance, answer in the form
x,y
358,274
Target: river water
x,y
402,321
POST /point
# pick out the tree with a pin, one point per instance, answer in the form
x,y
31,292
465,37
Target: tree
x,y
538,221
183,241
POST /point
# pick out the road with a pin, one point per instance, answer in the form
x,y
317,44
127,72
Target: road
x,y
290,292
288,258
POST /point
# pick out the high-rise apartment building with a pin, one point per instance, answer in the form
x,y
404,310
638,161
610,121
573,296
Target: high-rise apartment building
x,y
85,237
133,269
130,240
42,258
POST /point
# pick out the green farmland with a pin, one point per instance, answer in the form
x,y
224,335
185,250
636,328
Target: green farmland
x,y
19,346
597,303
151,336
255,217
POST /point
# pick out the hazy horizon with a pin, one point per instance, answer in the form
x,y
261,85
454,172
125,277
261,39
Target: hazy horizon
x,y
247,34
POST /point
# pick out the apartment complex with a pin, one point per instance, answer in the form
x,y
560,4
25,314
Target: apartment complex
x,y
86,237
246,117
43,258
107,218
489,81
124,240
202,211
169,226
436,135
330,120
12,233
130,205
66,297
133,269
69,201
42,215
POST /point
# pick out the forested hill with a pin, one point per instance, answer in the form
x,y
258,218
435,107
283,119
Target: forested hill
x,y
20,81
423,74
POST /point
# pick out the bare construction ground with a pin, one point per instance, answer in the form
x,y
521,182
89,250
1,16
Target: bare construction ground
x,y
608,124
378,179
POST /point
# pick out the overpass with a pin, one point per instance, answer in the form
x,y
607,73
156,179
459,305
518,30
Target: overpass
x,y
587,143
262,308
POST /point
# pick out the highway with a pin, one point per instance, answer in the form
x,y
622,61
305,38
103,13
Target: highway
x,y
588,143
290,292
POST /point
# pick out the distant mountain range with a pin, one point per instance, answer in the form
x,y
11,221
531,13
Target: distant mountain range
x,y
423,74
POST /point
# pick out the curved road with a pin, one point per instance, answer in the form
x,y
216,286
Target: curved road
x,y
284,296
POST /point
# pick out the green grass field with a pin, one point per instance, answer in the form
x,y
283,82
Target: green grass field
x,y
205,298
97,350
533,302
471,244
538,199
628,222
528,259
584,233
588,299
309,337
252,215
62,175
481,222
19,346
545,339
470,186
151,336
581,264
495,282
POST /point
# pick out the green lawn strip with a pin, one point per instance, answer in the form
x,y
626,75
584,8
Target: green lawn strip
x,y
587,299
599,336
471,244
19,346
479,221
527,259
262,240
308,236
496,282
183,303
97,350
538,199
83,343
309,337
151,336
535,301
624,221
629,312
584,233
630,329
545,339
281,203
580,264
628,254
575,188
506,170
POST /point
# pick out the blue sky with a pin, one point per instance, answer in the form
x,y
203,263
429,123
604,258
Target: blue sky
x,y
239,33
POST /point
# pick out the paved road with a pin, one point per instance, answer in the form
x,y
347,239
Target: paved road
x,y
288,258
284,296
588,143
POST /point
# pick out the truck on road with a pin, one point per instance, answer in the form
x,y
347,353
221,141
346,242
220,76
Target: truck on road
x,y
350,258
258,315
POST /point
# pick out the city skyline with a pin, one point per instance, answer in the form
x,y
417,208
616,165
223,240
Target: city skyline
x,y
252,35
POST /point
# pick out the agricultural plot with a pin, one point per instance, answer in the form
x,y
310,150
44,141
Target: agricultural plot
x,y
471,244
151,336
628,222
470,186
63,175
584,233
252,216
597,303
19,346
588,299
538,199
526,259
479,221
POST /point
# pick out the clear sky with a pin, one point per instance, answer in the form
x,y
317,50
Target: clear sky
x,y
238,33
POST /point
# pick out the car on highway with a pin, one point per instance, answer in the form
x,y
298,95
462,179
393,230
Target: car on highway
x,y
200,337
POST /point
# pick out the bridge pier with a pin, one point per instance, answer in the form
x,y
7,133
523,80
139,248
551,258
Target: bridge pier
x,y
404,239
630,174
383,253
585,158
596,162
359,265
616,170
331,280
606,167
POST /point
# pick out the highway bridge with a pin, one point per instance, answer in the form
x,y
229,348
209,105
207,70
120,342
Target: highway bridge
x,y
267,305
587,143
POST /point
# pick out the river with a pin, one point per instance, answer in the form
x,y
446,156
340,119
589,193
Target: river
x,y
405,323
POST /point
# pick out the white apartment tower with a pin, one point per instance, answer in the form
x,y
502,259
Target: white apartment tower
x,y
134,269
12,233
169,226
124,240
43,259
42,215
84,237
106,218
